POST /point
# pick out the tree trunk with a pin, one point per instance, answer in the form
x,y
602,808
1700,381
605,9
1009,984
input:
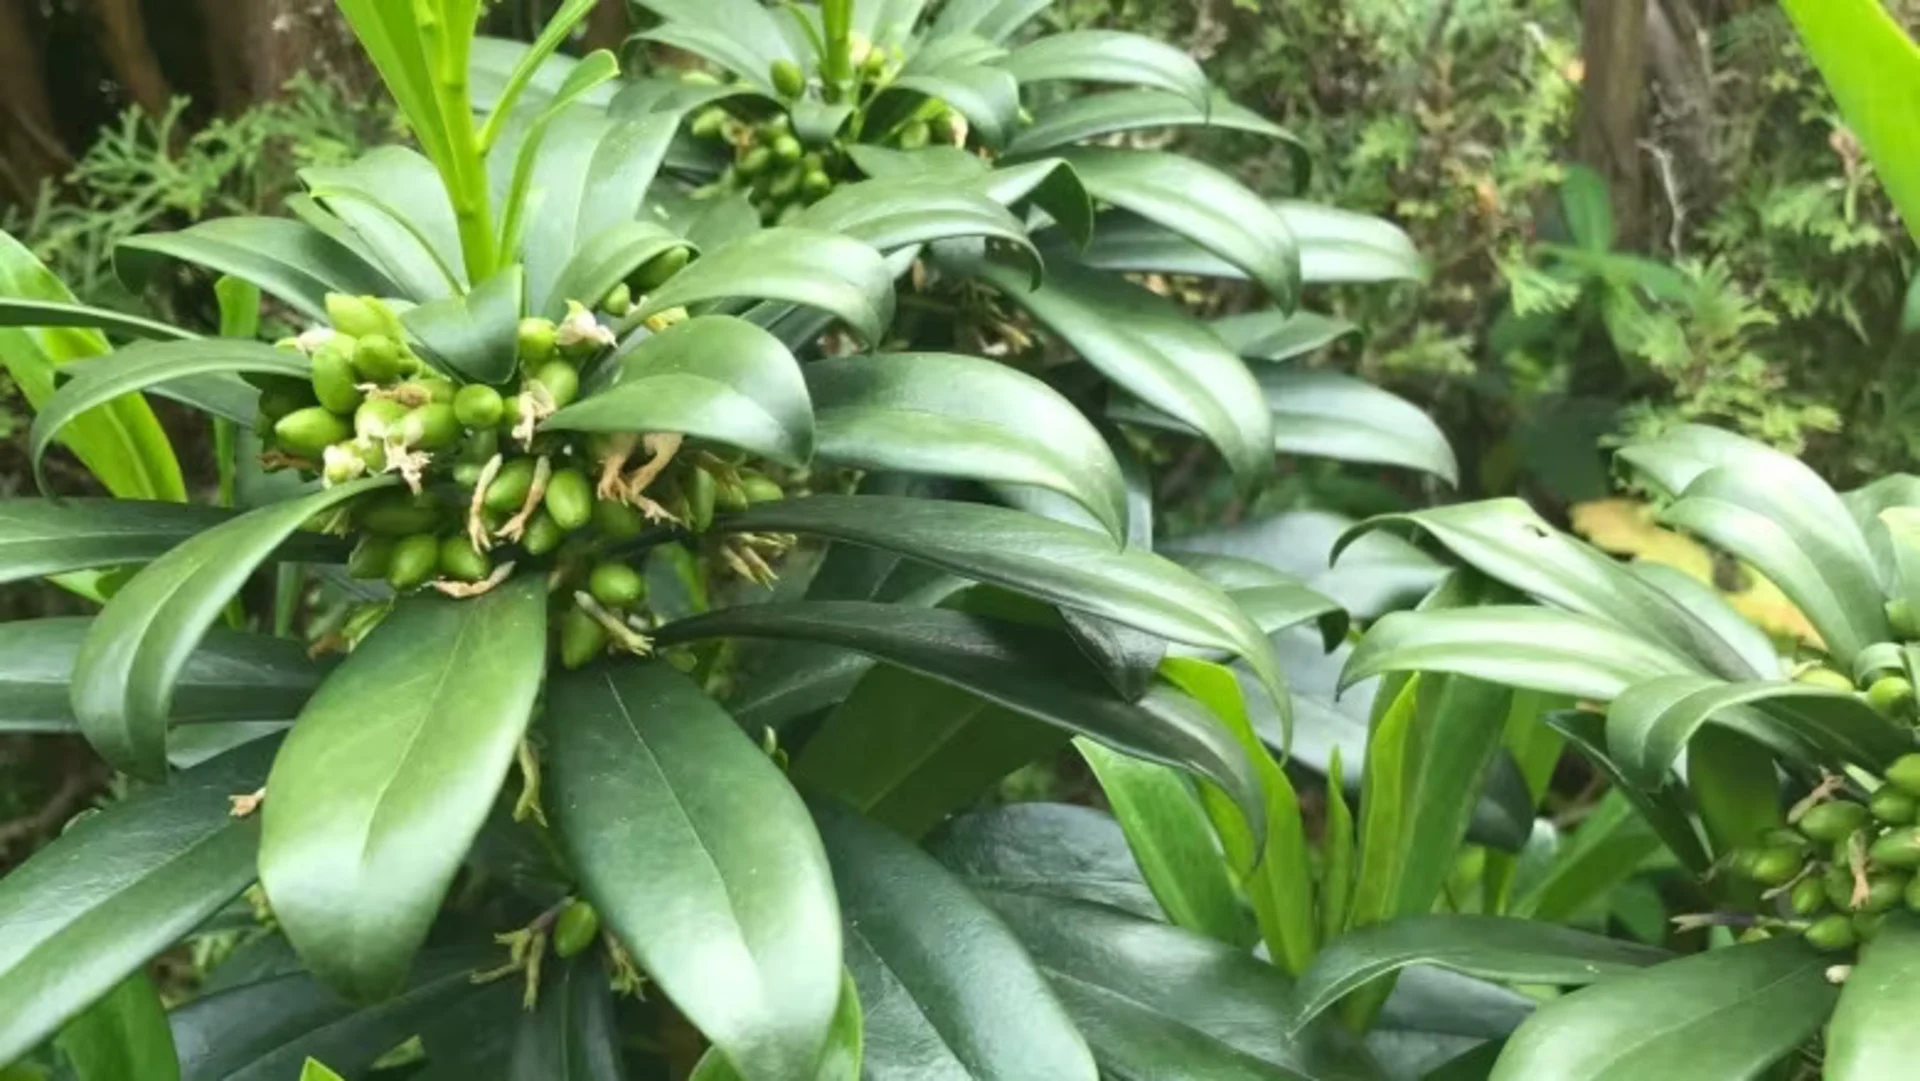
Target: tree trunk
x,y
607,26
123,38
255,46
1613,112
30,147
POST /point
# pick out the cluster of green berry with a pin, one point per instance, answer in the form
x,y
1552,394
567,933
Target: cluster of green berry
x,y
1843,864
772,162
486,487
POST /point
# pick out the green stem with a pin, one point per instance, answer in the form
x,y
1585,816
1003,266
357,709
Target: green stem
x,y
836,17
464,172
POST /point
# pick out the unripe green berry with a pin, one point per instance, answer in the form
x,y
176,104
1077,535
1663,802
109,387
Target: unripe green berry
x,y
702,494
416,559
542,535
459,560
1892,806
307,433
561,380
478,406
1897,848
333,382
431,427
708,123
1885,890
536,341
1809,896
1837,883
1832,933
1833,821
1912,896
378,417
1776,866
1900,618
915,135
569,499
1904,774
371,557
787,78
399,513
754,162
360,316
760,488
376,358
1892,696
787,148
616,585
616,521
619,301
510,486
815,183
575,929
582,638
659,269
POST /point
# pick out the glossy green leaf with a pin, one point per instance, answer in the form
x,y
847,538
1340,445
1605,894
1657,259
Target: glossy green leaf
x,y
714,377
992,20
1542,649
1340,246
1277,335
1873,69
917,943
18,311
841,1061
891,213
121,442
950,415
1666,809
1090,116
1202,204
232,676
522,198
1156,1001
471,335
1167,830
388,775
39,537
906,750
1609,846
117,888
1650,723
605,260
1727,1013
1507,541
1052,186
729,906
287,259
748,32
988,97
552,36
1061,564
572,1033
1047,849
124,675
1109,56
1147,345
396,202
265,1030
1329,415
142,365
1026,669
807,267
393,41
1865,1040
1490,947
122,1037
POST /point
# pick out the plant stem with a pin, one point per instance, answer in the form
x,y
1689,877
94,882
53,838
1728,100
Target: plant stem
x,y
836,17
463,171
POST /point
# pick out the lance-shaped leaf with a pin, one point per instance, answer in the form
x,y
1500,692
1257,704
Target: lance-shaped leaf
x,y
232,676
527,66
17,311
1725,1013
121,443
1520,646
1147,345
143,365
959,416
917,940
1490,947
1864,1040
1048,849
394,200
714,377
1201,204
124,676
1065,565
891,213
839,1062
729,905
604,260
1506,540
287,259
988,97
1026,669
1667,809
740,35
1277,335
1338,246
1090,116
471,335
1157,1001
39,537
264,1029
1109,56
388,775
1650,723
800,266
573,1033
115,889
123,1037
991,20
